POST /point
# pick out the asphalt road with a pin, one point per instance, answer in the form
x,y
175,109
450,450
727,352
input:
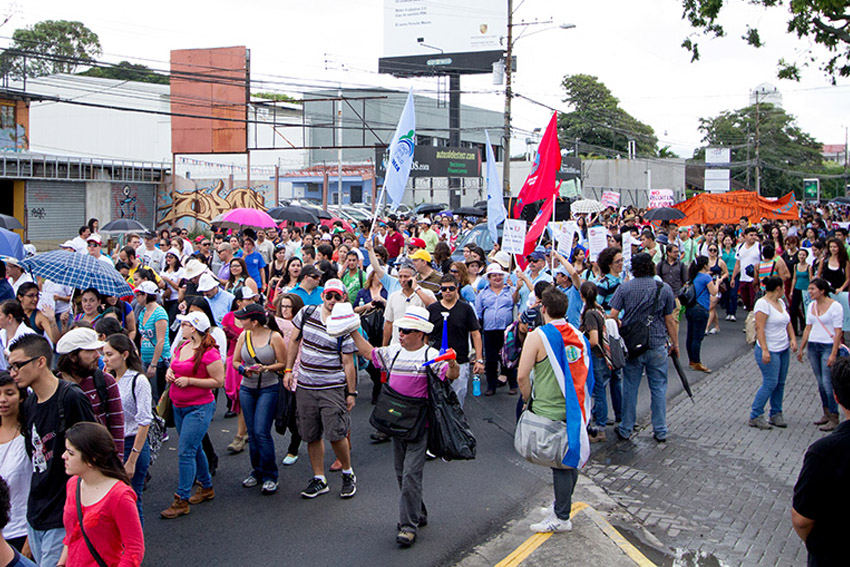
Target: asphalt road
x,y
468,502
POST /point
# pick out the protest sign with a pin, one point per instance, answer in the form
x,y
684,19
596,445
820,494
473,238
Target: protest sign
x,y
598,237
611,199
513,236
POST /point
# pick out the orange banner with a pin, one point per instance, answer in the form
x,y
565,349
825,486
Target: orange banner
x,y
708,208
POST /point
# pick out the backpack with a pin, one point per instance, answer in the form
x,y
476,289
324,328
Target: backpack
x,y
614,347
512,347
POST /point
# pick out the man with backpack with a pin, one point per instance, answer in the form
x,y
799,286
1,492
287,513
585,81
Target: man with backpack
x,y
54,406
78,356
353,277
326,388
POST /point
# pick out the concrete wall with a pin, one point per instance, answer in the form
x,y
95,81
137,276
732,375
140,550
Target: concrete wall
x,y
631,179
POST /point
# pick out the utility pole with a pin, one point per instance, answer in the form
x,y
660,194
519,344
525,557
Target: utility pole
x,y
339,150
506,135
758,144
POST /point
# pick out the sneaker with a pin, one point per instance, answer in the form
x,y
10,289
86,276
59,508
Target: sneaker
x,y
429,456
552,524
712,331
202,495
165,436
270,487
727,317
405,538
599,437
250,481
349,485
759,423
732,318
317,486
659,439
777,420
289,460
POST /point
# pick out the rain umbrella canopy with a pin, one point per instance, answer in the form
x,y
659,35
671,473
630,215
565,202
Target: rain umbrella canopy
x,y
324,215
9,222
246,218
664,214
843,200
470,212
65,267
426,208
294,213
587,206
123,225
11,245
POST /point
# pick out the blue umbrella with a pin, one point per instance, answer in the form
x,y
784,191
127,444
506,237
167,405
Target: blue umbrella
x,y
11,245
81,271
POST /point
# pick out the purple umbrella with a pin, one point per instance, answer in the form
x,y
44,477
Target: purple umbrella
x,y
246,218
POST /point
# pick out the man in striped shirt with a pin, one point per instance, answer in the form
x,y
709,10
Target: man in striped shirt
x,y
79,351
326,379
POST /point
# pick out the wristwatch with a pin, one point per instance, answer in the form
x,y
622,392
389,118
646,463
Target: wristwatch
x,y
352,394
480,361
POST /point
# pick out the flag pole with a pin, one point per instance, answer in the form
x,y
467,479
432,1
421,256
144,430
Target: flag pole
x,y
377,209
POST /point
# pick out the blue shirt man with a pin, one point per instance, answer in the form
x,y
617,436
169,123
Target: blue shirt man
x,y
308,288
220,301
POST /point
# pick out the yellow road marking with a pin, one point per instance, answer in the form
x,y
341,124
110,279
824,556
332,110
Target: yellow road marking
x,y
528,547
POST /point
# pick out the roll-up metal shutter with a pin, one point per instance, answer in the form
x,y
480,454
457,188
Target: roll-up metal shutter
x,y
55,210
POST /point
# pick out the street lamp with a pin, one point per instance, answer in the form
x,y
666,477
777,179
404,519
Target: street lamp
x,y
506,135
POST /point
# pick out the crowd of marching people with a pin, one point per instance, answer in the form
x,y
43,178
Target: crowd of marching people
x,y
92,385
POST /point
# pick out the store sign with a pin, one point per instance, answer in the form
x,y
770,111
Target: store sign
x,y
431,161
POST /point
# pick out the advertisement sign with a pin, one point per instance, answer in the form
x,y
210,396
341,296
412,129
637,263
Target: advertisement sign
x,y
431,161
570,169
513,236
429,37
811,188
660,198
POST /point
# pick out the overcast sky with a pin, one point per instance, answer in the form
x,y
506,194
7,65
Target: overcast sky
x,y
632,46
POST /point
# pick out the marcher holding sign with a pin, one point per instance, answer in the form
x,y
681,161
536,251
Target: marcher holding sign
x,y
598,240
513,236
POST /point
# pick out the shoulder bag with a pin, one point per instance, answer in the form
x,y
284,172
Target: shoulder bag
x,y
842,348
636,334
397,415
97,558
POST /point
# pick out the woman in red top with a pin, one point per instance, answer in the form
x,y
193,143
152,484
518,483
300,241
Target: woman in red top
x,y
196,370
108,502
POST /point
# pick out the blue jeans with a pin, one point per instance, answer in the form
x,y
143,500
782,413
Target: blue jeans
x,y
192,423
697,317
654,361
143,462
601,377
46,545
772,382
729,299
818,357
615,386
258,408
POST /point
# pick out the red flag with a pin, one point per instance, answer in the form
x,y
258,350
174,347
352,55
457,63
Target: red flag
x,y
538,226
540,183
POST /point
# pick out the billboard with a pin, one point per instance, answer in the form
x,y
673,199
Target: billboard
x,y
432,161
209,101
432,37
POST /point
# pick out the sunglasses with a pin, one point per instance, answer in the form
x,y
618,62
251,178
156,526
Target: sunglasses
x,y
406,331
448,288
454,271
333,295
92,244
205,243
314,276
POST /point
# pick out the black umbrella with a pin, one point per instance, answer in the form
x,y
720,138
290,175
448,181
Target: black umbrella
x,y
470,212
426,208
685,384
124,225
294,213
664,213
9,222
323,214
842,200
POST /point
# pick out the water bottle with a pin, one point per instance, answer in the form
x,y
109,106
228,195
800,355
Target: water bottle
x,y
476,385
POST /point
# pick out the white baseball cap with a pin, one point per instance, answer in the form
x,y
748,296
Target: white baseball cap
x,y
196,319
81,338
95,237
147,287
206,283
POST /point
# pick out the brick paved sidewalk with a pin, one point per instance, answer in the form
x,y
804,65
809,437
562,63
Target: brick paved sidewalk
x,y
719,486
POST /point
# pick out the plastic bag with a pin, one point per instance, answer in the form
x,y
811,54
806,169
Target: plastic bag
x,y
449,435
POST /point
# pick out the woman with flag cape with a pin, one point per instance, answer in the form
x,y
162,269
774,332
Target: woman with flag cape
x,y
560,394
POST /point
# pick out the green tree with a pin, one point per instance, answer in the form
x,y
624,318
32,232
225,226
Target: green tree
x,y
126,71
48,47
823,22
786,153
599,122
277,97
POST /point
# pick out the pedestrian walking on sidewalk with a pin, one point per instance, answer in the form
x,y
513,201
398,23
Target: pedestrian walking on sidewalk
x,y
822,336
822,492
775,341
697,314
558,354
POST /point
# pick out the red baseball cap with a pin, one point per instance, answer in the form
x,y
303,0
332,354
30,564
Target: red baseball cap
x,y
417,242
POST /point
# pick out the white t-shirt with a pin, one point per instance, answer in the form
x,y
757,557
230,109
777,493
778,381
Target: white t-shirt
x,y
16,470
5,341
397,304
747,257
25,277
152,258
833,319
776,326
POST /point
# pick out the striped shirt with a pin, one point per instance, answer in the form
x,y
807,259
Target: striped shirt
x,y
319,366
111,416
407,376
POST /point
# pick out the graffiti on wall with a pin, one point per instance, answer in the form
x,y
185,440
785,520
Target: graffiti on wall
x,y
182,208
128,201
13,139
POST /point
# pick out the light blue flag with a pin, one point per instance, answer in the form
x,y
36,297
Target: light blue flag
x,y
496,213
401,154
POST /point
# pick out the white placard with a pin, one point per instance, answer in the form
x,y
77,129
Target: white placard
x,y
718,155
566,237
598,239
627,252
611,199
513,236
660,198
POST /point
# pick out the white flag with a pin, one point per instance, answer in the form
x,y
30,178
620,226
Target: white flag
x,y
401,154
496,213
